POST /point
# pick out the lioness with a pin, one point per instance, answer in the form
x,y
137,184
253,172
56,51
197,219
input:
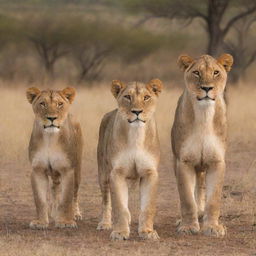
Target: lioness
x,y
199,142
128,148
55,151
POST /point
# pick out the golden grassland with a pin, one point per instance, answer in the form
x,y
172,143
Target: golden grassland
x,y
91,104
16,201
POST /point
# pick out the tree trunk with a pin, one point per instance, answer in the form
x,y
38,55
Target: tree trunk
x,y
234,76
216,10
215,42
49,67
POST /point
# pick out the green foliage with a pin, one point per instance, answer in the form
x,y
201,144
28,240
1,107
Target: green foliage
x,y
133,45
94,42
164,8
9,30
50,2
88,42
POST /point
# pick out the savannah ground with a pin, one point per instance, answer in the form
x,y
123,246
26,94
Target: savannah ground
x,y
17,206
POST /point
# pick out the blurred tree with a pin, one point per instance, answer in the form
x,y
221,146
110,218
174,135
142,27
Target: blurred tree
x,y
219,16
90,46
242,47
134,45
50,38
94,42
90,61
89,43
9,31
10,40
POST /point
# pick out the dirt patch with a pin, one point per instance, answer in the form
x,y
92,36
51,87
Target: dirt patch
x,y
17,206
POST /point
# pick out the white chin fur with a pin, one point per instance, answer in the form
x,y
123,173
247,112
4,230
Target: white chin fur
x,y
52,130
137,124
206,102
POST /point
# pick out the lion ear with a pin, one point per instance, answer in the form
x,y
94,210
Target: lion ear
x,y
226,60
155,85
116,87
32,93
184,62
69,93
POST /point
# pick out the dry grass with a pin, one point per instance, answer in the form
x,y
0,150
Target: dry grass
x,y
17,207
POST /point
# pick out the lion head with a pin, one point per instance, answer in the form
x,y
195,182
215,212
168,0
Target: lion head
x,y
50,106
206,76
136,101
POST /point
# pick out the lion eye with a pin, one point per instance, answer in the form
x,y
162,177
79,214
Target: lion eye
x,y
128,97
216,72
196,73
60,104
42,104
147,97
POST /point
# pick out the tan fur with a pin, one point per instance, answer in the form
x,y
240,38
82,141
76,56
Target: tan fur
x,y
129,149
199,142
55,152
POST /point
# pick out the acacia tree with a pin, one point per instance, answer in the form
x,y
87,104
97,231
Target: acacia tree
x,y
242,47
219,16
94,42
10,34
89,48
214,20
9,30
49,37
90,61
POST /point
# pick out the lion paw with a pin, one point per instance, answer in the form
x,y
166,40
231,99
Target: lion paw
x,y
188,229
78,216
119,235
66,224
151,235
178,222
37,224
104,226
214,230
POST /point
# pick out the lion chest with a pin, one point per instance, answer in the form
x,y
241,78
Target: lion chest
x,y
50,155
134,157
203,146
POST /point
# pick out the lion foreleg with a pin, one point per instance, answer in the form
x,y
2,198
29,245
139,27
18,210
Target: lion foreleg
x,y
214,182
119,198
186,180
39,182
65,212
148,192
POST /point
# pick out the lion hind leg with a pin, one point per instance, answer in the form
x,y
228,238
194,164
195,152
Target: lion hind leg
x,y
200,193
76,208
106,222
55,195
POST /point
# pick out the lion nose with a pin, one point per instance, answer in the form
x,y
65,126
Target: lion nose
x,y
51,118
207,89
137,112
